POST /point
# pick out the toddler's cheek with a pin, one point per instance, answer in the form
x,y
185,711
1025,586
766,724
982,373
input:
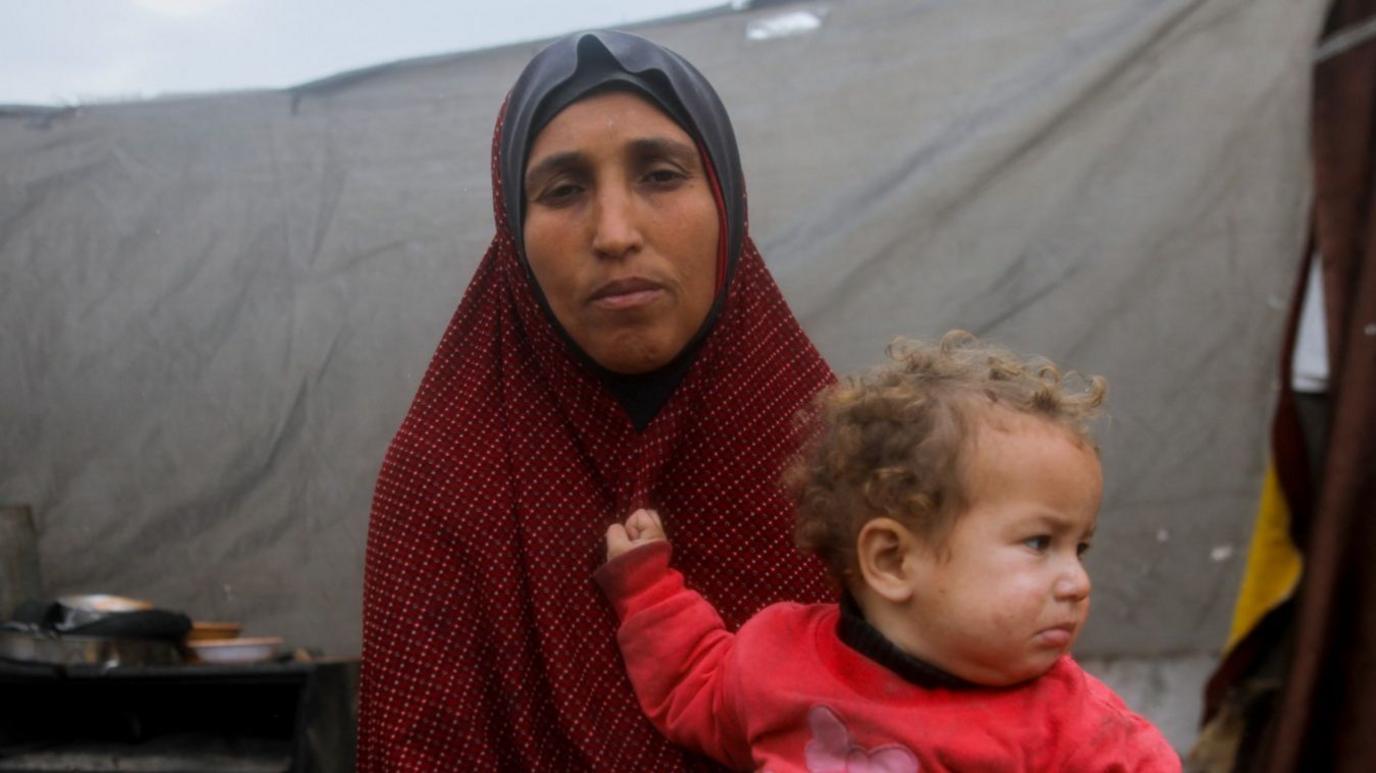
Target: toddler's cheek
x,y
1027,595
1003,620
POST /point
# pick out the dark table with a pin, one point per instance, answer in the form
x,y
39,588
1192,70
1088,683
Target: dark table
x,y
297,716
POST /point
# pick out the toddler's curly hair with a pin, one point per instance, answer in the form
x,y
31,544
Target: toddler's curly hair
x,y
894,442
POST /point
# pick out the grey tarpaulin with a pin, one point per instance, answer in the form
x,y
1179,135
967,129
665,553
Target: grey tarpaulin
x,y
215,310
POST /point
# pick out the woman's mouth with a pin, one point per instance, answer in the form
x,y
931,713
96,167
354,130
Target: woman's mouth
x,y
621,294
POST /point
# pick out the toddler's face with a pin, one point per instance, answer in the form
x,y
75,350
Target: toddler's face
x,y
1008,594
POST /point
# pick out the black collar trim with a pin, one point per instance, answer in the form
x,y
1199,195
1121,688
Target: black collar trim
x,y
856,632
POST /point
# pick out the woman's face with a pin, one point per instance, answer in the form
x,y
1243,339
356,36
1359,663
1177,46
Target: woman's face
x,y
621,230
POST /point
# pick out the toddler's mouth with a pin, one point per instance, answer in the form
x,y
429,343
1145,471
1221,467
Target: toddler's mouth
x,y
1057,635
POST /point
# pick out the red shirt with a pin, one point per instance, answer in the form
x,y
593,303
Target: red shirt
x,y
785,694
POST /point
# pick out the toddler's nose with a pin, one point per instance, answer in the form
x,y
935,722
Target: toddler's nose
x,y
1073,584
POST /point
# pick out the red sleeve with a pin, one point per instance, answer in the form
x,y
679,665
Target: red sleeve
x,y
1113,739
678,654
1134,746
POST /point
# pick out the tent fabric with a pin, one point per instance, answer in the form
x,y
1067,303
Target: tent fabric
x,y
215,309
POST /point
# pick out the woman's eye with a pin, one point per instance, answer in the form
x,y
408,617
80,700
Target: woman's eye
x,y
663,176
1038,543
556,194
563,191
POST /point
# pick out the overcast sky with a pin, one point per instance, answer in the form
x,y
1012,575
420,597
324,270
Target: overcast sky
x,y
81,51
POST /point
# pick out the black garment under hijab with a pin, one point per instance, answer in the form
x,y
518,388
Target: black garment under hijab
x,y
575,67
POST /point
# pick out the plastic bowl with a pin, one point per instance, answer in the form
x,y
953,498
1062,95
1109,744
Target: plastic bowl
x,y
246,650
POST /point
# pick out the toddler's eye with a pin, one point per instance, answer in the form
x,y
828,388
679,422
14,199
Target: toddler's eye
x,y
1082,548
1038,543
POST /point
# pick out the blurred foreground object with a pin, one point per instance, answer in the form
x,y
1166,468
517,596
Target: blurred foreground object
x,y
1297,687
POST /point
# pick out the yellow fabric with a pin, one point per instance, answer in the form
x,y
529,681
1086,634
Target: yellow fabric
x,y
1273,561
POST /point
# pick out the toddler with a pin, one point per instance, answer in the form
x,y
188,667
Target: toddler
x,y
952,494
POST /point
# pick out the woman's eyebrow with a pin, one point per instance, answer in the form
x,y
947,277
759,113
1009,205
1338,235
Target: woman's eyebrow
x,y
661,147
554,163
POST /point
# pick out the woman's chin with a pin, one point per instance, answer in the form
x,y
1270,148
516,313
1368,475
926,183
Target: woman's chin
x,y
633,363
634,353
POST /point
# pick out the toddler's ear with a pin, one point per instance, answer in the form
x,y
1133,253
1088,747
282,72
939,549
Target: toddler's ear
x,y
882,551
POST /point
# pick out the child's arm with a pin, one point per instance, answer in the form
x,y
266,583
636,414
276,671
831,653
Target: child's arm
x,y
677,650
1109,736
1140,749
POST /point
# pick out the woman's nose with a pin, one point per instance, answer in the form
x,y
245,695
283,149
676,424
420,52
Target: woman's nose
x,y
1073,583
616,231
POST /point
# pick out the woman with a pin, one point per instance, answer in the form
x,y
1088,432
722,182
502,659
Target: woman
x,y
621,345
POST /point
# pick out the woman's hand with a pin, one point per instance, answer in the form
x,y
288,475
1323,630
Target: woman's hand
x,y
641,528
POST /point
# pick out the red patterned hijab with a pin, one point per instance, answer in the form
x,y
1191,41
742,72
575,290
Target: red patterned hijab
x,y
486,644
